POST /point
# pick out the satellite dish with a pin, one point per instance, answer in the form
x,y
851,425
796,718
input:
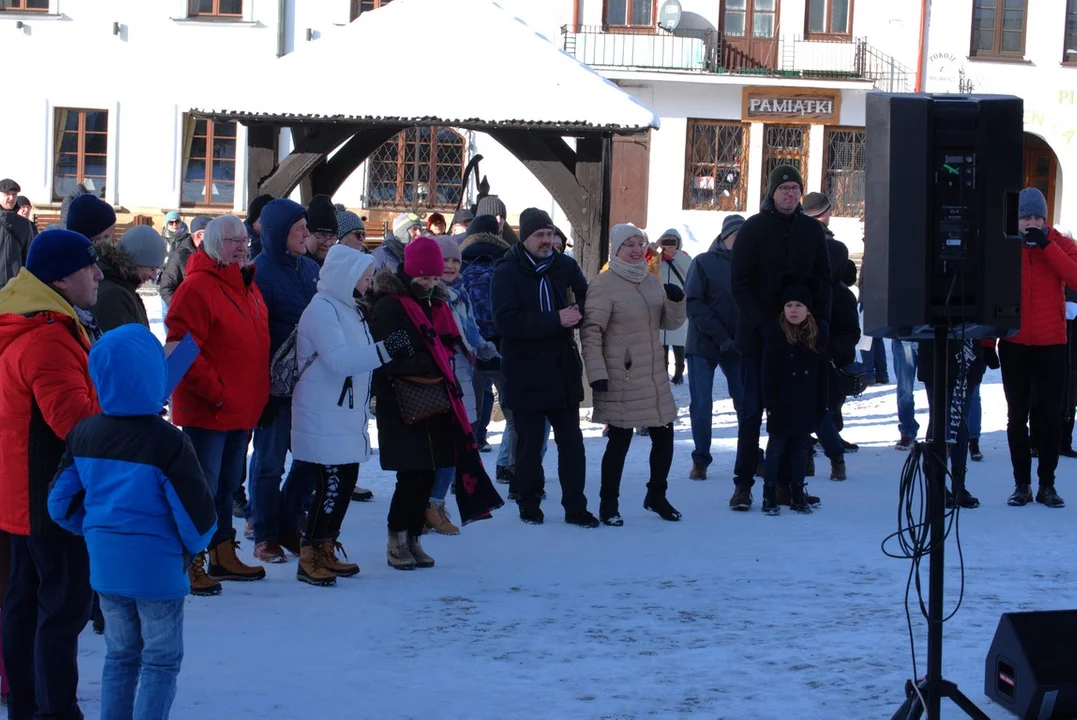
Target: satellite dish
x,y
669,17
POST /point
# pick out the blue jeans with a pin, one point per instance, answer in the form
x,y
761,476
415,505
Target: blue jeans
x,y
975,414
144,649
906,358
701,402
875,359
443,478
749,420
829,437
222,455
794,451
276,510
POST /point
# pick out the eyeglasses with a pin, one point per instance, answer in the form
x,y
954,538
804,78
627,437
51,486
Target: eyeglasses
x,y
789,189
234,240
634,245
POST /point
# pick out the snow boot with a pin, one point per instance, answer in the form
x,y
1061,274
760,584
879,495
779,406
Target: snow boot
x,y
1046,495
961,497
657,503
798,501
362,495
398,554
1021,496
202,585
905,443
437,519
334,564
504,475
422,560
837,469
225,565
974,451
770,499
785,496
742,499
678,378
582,518
531,514
699,472
239,503
268,551
248,530
312,568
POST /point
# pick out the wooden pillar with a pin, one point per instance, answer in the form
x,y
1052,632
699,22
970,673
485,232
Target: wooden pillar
x,y
313,143
326,179
592,178
262,149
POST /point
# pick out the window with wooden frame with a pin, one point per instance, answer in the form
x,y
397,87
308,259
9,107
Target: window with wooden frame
x,y
209,162
785,145
80,151
829,19
420,168
24,5
845,174
998,28
1069,48
716,172
215,8
358,7
629,13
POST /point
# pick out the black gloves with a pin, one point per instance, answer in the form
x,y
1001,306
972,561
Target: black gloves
x,y
1035,237
398,344
674,293
991,358
727,347
601,386
269,414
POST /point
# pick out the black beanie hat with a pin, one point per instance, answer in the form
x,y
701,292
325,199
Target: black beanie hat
x,y
483,224
783,174
254,210
795,289
532,220
321,215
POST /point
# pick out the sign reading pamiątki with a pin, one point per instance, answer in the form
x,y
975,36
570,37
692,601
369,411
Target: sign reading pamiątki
x,y
808,105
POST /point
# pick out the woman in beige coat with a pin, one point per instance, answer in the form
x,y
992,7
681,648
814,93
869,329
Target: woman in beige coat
x,y
626,308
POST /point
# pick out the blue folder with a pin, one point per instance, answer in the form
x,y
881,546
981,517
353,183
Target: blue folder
x,y
179,362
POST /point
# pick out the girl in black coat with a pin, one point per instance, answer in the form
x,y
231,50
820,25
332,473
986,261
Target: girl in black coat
x,y
794,395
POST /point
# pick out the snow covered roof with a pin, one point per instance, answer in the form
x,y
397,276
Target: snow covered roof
x,y
382,68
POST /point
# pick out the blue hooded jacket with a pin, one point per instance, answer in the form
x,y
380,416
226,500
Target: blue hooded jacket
x,y
288,282
130,481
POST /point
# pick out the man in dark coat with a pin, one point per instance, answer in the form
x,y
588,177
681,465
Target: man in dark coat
x,y
125,267
16,232
712,325
776,242
322,225
253,224
537,297
176,268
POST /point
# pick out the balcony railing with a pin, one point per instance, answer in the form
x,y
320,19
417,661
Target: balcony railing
x,y
706,51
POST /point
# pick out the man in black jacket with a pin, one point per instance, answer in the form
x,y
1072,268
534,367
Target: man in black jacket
x,y
176,268
16,232
537,297
776,242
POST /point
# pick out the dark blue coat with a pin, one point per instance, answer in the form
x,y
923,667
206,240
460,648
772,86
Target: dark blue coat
x,y
794,387
540,362
712,312
288,282
130,481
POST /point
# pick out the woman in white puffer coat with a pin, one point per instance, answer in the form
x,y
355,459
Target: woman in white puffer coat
x,y
331,401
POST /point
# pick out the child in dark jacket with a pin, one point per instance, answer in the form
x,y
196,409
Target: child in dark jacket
x,y
131,483
794,395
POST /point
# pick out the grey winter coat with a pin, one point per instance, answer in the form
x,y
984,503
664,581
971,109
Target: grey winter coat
x,y
16,232
389,255
712,313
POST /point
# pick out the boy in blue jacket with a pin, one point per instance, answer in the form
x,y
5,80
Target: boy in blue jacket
x,y
131,483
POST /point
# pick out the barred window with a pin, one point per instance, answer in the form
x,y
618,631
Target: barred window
x,y
717,174
846,176
81,151
419,168
784,145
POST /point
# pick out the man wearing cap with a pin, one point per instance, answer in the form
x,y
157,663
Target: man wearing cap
x,y
493,205
460,220
537,297
253,224
778,241
16,232
322,225
712,327
46,330
406,227
176,267
125,267
91,216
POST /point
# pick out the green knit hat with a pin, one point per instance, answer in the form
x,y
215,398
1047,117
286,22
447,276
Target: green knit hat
x,y
783,174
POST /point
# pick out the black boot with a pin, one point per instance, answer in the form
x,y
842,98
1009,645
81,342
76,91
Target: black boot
x,y
798,502
504,475
609,514
1021,496
656,502
770,499
1046,495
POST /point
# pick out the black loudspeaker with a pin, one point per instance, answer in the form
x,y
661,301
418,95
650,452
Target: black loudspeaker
x,y
941,245
1032,665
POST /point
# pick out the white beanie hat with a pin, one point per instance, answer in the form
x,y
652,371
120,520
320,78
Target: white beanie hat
x,y
622,232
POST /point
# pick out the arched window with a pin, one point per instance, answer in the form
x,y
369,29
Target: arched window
x,y
420,168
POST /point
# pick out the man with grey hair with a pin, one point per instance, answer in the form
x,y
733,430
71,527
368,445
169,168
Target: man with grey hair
x,y
406,227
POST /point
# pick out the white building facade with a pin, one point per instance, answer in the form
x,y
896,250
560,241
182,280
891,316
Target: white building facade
x,y
740,86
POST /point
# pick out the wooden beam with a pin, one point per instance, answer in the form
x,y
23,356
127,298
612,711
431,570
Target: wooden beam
x,y
262,150
326,179
592,176
313,143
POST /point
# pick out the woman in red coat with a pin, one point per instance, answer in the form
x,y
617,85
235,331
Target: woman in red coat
x,y
1035,358
222,396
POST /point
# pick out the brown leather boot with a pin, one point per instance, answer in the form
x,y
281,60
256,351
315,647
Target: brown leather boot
x,y
437,519
268,551
202,585
333,563
312,569
224,565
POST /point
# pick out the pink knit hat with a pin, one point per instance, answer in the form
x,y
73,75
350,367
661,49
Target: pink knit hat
x,y
422,258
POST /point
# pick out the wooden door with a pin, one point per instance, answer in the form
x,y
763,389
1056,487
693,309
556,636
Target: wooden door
x,y
631,169
749,34
1041,170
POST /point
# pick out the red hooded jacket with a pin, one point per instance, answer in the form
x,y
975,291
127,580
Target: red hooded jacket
x,y
221,307
1044,276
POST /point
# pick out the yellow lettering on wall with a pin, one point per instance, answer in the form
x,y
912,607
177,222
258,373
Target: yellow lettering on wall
x,y
1068,135
1066,97
1035,118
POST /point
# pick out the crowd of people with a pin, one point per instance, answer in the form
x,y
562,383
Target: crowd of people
x,y
305,336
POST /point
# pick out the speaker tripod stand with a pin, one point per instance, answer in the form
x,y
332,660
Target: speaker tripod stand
x,y
927,694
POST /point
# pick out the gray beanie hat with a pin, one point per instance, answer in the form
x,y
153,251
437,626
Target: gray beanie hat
x,y
491,205
348,222
730,225
1032,203
144,246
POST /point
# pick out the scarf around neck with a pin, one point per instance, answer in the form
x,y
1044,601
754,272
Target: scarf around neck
x,y
633,273
545,291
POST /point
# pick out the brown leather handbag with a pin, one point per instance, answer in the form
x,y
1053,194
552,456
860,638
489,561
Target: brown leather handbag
x,y
420,398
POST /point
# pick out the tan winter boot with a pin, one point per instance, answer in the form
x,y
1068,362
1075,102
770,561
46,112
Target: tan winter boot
x,y
312,569
202,585
437,519
422,560
224,565
398,554
334,564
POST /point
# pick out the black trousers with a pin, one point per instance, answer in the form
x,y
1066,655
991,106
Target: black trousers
x,y
678,358
1025,368
333,485
407,510
46,607
787,453
1070,395
571,460
613,463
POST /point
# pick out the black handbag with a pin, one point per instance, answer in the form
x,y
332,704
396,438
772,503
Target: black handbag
x,y
420,398
852,379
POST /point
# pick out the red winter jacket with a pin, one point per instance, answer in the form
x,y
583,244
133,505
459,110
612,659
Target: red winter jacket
x,y
1044,276
228,385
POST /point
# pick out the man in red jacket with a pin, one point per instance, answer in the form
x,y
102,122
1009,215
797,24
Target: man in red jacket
x,y
46,330
1035,358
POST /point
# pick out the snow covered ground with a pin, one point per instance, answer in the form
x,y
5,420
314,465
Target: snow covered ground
x,y
723,615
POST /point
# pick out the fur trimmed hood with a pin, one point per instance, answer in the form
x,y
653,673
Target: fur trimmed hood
x,y
485,239
115,265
